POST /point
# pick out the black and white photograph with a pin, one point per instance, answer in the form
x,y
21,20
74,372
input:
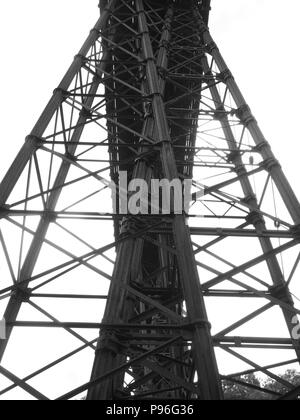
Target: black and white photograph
x,y
149,203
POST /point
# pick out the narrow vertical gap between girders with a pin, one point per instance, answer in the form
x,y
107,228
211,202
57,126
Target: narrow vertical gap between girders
x,y
81,84
6,253
24,218
264,191
291,276
52,156
277,227
225,97
242,137
63,128
87,81
37,167
72,111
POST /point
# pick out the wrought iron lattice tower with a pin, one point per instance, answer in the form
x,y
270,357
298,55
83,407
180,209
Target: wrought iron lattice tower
x,y
188,301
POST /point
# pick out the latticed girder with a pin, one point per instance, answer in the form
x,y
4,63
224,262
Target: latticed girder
x,y
148,94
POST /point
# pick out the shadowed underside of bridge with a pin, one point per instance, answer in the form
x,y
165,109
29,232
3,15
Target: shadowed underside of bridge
x,y
188,302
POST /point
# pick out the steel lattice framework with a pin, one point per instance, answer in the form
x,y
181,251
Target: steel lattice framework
x,y
186,301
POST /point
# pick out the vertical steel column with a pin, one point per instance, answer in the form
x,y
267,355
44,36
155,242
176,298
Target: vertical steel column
x,y
206,366
127,267
107,354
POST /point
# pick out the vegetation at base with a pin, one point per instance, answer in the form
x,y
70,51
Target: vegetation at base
x,y
273,389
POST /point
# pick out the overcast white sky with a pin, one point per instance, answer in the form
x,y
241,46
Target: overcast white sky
x,y
258,38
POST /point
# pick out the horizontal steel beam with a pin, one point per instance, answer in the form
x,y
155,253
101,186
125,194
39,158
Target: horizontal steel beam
x,y
239,341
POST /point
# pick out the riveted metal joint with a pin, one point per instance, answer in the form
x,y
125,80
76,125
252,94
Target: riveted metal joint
x,y
220,113
249,199
21,294
296,232
81,57
62,92
130,226
211,47
109,341
164,43
163,73
95,31
71,157
281,292
240,170
270,163
261,146
4,211
224,76
201,323
254,218
163,142
86,113
233,156
34,141
238,341
153,95
49,216
245,115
